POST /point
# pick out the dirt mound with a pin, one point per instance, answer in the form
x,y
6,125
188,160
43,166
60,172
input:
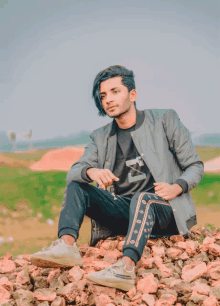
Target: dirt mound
x,y
172,271
59,159
212,165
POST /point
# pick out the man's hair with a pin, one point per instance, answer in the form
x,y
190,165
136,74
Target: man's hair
x,y
108,73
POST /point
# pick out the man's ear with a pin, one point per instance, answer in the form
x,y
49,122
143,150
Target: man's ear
x,y
133,95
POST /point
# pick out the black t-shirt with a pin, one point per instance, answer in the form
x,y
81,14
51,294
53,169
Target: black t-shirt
x,y
134,175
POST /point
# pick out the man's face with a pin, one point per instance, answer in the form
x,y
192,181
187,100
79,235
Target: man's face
x,y
114,94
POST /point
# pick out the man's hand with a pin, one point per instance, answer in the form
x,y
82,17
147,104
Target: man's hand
x,y
167,191
104,177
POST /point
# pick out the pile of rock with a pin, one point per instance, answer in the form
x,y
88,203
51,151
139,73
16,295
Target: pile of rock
x,y
172,271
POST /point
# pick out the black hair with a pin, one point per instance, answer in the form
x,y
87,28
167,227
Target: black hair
x,y
108,73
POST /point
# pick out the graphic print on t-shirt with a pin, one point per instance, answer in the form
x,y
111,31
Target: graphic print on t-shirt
x,y
135,162
129,166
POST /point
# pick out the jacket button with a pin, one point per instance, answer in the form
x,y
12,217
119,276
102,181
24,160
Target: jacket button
x,y
174,209
110,139
181,233
107,162
132,135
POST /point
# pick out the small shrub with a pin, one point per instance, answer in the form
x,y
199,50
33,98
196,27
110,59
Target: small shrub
x,y
211,226
201,239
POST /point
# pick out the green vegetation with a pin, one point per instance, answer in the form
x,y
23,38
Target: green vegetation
x,y
42,190
207,191
201,239
212,227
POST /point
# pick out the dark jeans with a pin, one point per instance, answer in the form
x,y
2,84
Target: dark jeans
x,y
140,217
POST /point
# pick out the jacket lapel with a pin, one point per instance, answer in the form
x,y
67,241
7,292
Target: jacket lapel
x,y
111,152
144,142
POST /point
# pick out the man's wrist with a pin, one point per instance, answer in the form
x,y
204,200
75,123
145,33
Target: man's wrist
x,y
177,189
182,183
88,171
84,175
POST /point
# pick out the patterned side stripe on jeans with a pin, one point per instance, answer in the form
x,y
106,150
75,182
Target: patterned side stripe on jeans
x,y
135,216
145,217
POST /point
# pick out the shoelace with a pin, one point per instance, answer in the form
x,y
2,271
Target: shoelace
x,y
47,248
110,269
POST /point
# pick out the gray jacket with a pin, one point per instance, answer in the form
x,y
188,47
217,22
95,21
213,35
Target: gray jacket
x,y
166,147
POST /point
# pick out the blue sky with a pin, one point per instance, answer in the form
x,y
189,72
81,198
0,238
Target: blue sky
x,y
51,51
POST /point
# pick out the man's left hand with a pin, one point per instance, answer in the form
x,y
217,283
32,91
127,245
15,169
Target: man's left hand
x,y
167,191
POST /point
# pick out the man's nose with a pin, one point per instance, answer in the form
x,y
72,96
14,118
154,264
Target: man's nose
x,y
109,98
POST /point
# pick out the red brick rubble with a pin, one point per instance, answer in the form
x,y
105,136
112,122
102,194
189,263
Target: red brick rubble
x,y
172,271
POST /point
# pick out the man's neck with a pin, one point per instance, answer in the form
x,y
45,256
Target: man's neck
x,y
128,119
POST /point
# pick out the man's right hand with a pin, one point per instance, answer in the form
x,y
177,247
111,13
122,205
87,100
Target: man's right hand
x,y
104,177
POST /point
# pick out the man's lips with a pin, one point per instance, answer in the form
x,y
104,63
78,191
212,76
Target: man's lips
x,y
110,108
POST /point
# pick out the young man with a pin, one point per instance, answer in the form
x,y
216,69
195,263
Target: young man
x,y
151,164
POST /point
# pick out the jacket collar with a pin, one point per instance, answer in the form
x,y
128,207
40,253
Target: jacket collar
x,y
139,120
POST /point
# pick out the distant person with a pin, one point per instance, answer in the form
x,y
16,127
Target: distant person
x,y
147,162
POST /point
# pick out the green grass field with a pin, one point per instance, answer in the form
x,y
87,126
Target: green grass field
x,y
43,190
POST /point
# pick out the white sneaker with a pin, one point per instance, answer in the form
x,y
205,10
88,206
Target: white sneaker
x,y
57,255
115,276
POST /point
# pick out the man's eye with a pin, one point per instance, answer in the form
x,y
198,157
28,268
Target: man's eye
x,y
115,91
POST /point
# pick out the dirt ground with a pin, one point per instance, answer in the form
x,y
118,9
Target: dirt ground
x,y
30,235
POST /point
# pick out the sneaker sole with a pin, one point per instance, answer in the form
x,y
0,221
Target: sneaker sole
x,y
55,263
118,284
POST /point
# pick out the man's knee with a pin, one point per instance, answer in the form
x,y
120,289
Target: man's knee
x,y
71,189
74,185
145,196
149,196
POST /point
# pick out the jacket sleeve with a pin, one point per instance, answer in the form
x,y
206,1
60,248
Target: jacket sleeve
x,y
182,184
88,160
183,149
